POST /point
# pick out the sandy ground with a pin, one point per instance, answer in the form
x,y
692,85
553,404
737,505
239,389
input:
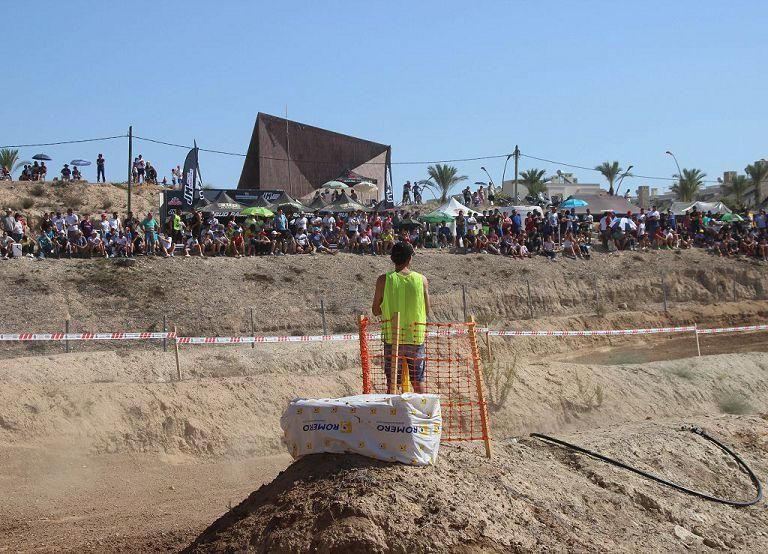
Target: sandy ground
x,y
106,450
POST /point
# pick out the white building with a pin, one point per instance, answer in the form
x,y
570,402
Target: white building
x,y
559,186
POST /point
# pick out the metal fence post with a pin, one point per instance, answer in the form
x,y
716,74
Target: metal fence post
x,y
664,291
464,300
530,302
165,330
66,331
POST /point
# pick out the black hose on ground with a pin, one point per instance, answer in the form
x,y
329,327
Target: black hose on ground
x,y
738,503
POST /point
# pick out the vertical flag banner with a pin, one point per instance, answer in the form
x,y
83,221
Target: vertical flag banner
x,y
191,171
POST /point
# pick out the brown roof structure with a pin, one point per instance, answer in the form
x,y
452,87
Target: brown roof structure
x,y
298,158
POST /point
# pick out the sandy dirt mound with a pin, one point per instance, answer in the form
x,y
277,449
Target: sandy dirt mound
x,y
530,496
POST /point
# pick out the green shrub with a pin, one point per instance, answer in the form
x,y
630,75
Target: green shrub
x,y
733,403
27,203
37,190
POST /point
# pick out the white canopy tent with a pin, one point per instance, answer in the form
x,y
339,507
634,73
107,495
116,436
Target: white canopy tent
x,y
714,207
453,206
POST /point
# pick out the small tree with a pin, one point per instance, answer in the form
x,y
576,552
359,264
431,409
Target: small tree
x,y
445,178
736,189
688,184
610,171
758,172
534,181
9,157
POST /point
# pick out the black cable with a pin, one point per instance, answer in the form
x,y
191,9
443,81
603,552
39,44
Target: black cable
x,y
647,475
63,142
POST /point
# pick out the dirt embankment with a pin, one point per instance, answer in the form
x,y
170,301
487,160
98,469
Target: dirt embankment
x,y
32,199
529,497
215,296
103,405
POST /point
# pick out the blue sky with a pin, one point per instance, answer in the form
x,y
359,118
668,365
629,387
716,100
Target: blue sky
x,y
578,82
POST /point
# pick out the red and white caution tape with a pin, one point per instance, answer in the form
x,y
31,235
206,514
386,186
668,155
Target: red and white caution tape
x,y
84,336
598,332
733,329
263,339
446,332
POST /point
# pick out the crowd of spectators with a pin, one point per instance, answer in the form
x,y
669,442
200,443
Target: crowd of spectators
x,y
557,233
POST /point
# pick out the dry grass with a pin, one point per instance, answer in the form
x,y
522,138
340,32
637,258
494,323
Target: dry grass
x,y
734,403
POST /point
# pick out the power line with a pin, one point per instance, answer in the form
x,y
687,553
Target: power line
x,y
238,154
63,142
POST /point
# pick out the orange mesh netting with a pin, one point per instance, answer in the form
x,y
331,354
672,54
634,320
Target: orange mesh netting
x,y
447,364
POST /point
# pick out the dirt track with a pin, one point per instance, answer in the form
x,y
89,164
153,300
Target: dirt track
x,y
214,437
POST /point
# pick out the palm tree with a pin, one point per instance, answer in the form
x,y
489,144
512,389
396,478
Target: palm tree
x,y
758,172
610,171
445,178
9,157
688,184
534,181
736,189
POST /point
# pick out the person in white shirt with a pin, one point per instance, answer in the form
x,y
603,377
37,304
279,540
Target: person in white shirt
x,y
104,225
58,222
301,224
328,224
114,223
302,243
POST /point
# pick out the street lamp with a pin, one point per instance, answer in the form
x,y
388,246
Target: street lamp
x,y
679,173
503,173
618,185
490,179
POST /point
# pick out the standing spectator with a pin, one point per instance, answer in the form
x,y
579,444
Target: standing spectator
x,y
43,171
491,193
149,225
8,221
141,166
100,169
65,173
407,193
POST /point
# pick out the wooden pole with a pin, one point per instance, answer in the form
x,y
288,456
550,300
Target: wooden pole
x,y
165,330
394,364
488,347
66,330
322,315
130,164
176,349
664,290
530,302
698,344
253,330
597,297
479,382
464,300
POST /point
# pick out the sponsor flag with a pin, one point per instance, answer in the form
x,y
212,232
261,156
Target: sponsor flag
x,y
191,175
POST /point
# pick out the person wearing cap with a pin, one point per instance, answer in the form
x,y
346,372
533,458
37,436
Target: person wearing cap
x,y
405,292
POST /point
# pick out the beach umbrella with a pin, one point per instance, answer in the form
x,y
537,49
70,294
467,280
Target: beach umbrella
x,y
335,185
574,203
625,223
366,187
80,163
258,211
731,218
42,157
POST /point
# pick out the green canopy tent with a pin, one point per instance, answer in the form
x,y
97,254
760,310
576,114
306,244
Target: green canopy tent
x,y
437,217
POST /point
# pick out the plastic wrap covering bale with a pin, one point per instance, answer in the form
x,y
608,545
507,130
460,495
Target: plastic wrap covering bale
x,y
398,428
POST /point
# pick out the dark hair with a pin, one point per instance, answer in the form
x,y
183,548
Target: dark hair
x,y
401,253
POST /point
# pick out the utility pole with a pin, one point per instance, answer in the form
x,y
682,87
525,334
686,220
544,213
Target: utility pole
x,y
130,163
516,154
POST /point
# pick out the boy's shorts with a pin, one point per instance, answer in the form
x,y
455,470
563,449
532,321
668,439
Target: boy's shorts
x,y
413,354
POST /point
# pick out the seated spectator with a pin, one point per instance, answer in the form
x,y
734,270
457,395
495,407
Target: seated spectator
x,y
570,246
166,245
548,247
76,176
192,245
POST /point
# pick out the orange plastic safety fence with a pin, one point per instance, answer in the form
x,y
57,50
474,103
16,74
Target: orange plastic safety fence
x,y
443,364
